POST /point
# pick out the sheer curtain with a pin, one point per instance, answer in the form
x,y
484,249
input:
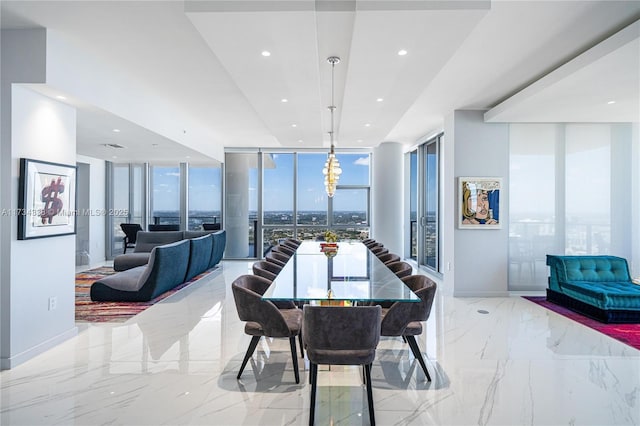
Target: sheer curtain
x,y
571,192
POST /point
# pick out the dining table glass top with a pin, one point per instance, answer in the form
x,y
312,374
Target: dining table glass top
x,y
352,273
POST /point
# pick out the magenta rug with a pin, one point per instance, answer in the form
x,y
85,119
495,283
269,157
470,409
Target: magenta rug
x,y
626,333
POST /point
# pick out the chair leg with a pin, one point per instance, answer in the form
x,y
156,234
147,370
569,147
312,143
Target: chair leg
x,y
301,347
250,350
364,375
294,356
416,353
314,380
372,417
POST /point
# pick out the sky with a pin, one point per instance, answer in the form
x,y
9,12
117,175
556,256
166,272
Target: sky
x,y
205,190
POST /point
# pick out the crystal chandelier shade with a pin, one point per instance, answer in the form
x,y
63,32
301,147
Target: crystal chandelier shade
x,y
331,170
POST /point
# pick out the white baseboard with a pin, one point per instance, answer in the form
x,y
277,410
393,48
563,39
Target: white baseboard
x,y
11,362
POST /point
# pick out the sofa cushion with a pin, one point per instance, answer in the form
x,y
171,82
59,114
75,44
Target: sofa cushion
x,y
166,269
127,281
127,261
596,268
196,234
200,255
605,295
219,242
605,269
146,241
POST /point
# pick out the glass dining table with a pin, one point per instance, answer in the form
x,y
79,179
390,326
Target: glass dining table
x,y
352,274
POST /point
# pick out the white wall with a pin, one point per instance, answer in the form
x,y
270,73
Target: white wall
x,y
480,256
387,196
41,129
97,222
22,61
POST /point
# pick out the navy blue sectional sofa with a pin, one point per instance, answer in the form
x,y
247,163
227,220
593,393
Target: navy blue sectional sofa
x,y
597,286
167,266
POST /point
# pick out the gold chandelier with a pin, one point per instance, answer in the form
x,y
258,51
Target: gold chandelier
x,y
331,170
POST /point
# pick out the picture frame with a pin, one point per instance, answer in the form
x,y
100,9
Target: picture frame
x,y
46,199
479,203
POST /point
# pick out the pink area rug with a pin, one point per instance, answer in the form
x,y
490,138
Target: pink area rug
x,y
626,333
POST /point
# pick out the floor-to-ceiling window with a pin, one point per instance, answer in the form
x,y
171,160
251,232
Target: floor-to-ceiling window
x,y
165,195
205,197
126,202
350,217
312,200
120,197
128,196
423,225
431,254
571,190
291,200
278,198
412,240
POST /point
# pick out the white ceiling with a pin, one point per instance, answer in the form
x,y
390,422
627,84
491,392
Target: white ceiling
x,y
205,58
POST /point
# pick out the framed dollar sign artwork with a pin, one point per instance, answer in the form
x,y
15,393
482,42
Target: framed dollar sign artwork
x,y
47,199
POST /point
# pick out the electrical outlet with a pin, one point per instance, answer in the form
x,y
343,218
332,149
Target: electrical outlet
x,y
53,303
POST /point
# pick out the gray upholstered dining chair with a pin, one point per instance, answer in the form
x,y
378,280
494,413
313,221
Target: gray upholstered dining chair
x,y
293,242
278,256
286,251
263,318
405,318
270,258
401,269
289,244
387,258
268,270
379,251
341,336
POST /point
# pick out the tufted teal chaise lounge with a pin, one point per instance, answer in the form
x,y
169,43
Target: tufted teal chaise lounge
x,y
597,286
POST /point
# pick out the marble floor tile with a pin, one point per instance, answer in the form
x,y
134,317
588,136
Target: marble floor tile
x,y
176,364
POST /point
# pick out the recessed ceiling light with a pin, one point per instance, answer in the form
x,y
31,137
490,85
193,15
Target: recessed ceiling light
x,y
300,140
367,125
379,100
359,140
266,53
116,130
611,102
188,156
115,156
62,98
402,52
294,125
284,100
